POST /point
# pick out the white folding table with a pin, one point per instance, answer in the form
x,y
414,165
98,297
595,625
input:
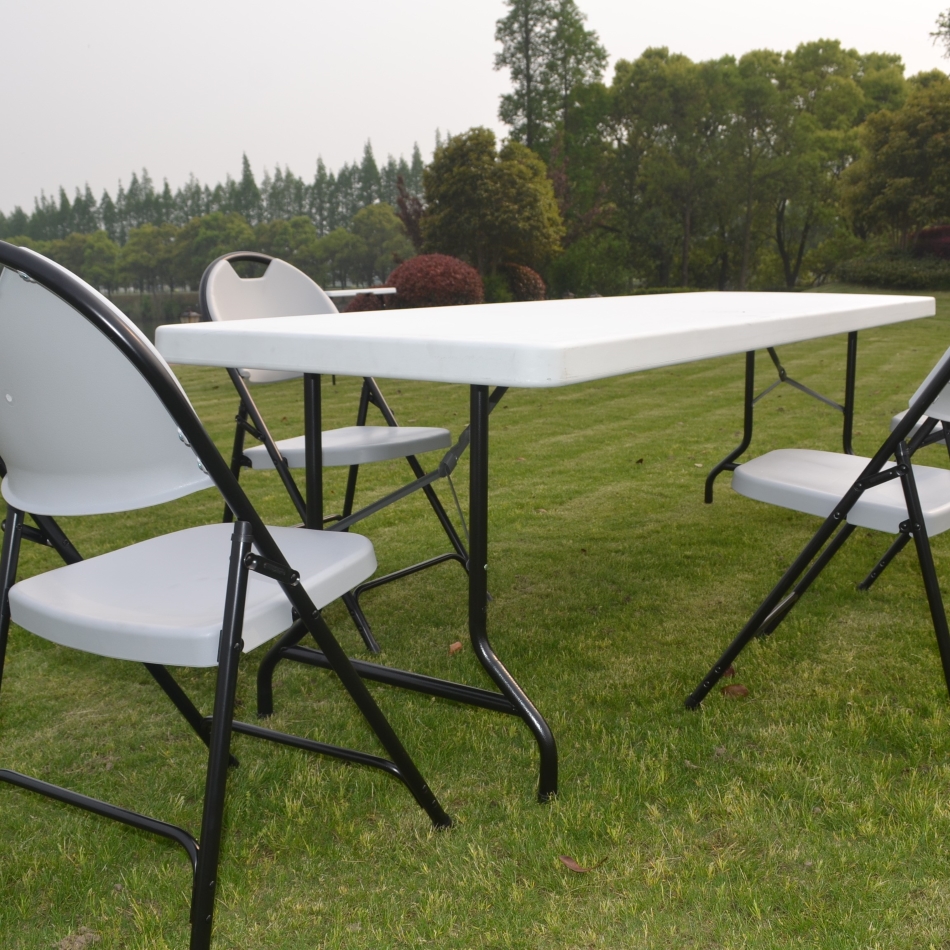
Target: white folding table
x,y
538,344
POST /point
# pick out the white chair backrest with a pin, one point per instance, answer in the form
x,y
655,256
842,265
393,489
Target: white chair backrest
x,y
283,291
940,407
81,431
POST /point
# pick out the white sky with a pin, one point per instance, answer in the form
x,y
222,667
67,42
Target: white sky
x,y
93,90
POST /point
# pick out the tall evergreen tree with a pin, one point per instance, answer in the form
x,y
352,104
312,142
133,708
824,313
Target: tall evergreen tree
x,y
575,57
247,194
369,178
525,35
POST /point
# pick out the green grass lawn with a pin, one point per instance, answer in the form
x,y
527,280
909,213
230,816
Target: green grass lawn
x,y
812,813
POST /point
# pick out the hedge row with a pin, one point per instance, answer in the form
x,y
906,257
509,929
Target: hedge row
x,y
897,273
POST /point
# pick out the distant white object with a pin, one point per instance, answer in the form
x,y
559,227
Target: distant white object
x,y
355,291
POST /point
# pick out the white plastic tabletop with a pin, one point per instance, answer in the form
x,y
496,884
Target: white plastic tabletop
x,y
536,344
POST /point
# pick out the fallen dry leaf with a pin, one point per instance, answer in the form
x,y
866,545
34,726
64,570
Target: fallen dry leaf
x,y
689,764
730,672
571,864
735,689
455,647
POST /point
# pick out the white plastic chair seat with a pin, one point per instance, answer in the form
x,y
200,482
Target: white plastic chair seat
x,y
357,445
162,600
895,421
814,482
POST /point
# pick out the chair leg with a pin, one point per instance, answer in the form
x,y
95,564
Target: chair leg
x,y
229,653
9,558
768,609
237,453
784,608
916,525
898,545
360,622
183,703
265,672
353,683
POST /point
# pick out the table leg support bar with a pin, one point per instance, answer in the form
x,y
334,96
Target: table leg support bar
x,y
478,597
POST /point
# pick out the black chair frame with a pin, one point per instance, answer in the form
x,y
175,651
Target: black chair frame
x,y
216,730
835,531
249,421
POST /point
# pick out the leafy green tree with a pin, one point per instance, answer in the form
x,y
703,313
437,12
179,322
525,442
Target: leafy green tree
x,y
575,58
294,241
369,178
385,240
901,182
942,33
203,239
341,253
247,195
100,256
672,114
148,259
490,207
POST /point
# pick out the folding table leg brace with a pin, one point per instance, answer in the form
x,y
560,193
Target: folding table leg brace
x,y
836,530
729,462
510,698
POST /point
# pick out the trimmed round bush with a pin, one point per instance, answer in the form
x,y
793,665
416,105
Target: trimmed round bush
x,y
435,280
363,302
524,283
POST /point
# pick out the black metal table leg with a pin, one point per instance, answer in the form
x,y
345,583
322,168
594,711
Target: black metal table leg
x,y
511,698
850,375
729,462
478,597
313,426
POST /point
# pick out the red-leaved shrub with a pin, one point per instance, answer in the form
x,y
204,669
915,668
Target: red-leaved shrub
x,y
363,302
933,242
435,280
524,283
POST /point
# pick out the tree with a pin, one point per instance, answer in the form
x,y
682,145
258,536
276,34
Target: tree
x,y
385,241
409,210
575,57
247,195
369,179
148,259
203,239
99,261
901,182
942,33
341,252
490,207
525,35
295,241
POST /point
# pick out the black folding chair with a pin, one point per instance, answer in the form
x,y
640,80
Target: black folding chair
x,y
283,290
848,491
159,602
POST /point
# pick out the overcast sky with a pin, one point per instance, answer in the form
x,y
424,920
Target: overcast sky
x,y
93,90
